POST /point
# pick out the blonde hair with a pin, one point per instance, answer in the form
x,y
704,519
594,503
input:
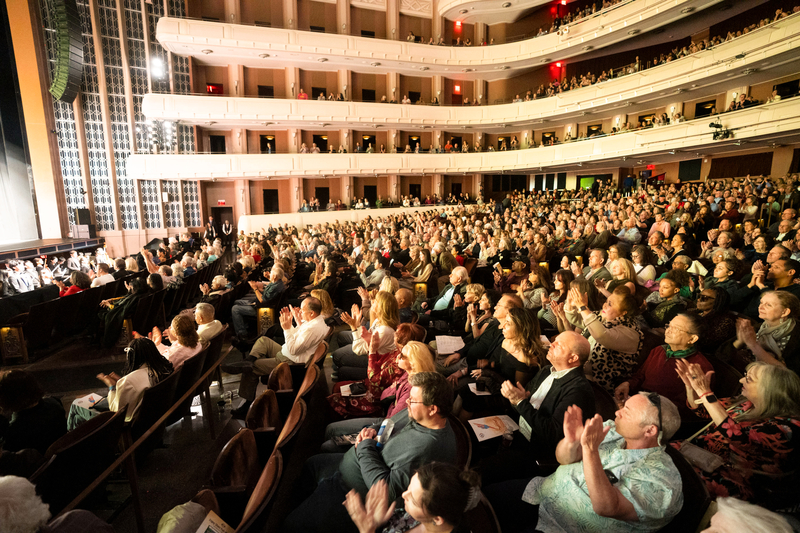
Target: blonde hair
x,y
628,268
477,289
324,299
779,389
248,262
131,264
384,310
419,356
389,284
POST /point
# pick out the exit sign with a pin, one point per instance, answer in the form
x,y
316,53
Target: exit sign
x,y
220,202
651,167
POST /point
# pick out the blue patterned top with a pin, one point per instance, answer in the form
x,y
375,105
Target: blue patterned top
x,y
647,478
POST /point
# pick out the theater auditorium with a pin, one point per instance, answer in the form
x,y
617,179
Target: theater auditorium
x,y
429,266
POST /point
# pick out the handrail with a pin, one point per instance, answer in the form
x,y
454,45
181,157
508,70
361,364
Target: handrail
x,y
132,448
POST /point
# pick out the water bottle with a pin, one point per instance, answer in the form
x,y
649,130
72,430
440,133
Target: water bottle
x,y
508,439
384,432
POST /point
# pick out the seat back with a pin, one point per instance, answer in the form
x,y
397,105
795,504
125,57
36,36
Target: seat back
x,y
68,322
311,376
263,413
156,315
223,308
696,498
214,349
482,517
77,458
280,378
319,353
140,315
237,463
41,320
265,489
463,442
155,402
604,402
726,378
191,371
292,425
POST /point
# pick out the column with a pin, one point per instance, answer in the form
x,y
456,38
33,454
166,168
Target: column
x,y
345,83
346,137
292,78
289,14
393,20
437,21
296,196
393,139
238,141
83,156
437,184
232,11
236,80
394,187
438,141
477,180
437,88
343,16
393,86
480,33
295,139
481,90
241,204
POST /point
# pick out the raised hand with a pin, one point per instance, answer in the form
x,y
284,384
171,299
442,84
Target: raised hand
x,y
355,310
377,510
579,298
573,424
363,293
593,434
458,301
622,393
600,284
693,375
513,393
286,318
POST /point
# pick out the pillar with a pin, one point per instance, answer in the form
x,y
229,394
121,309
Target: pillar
x,y
437,21
296,196
481,91
289,14
394,187
292,79
343,16
345,80
232,11
393,86
241,203
236,80
437,88
347,189
480,33
393,20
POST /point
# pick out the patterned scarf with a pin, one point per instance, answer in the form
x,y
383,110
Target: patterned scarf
x,y
774,339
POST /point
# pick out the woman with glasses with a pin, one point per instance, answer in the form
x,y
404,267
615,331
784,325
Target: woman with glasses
x,y
387,374
750,438
643,263
614,335
657,373
717,323
777,341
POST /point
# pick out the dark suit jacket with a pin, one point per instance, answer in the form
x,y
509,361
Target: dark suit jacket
x,y
603,273
547,422
445,314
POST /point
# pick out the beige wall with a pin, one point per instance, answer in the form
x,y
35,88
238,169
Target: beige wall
x,y
270,11
207,74
420,26
368,20
254,140
414,83
505,90
311,78
253,77
333,184
257,197
369,81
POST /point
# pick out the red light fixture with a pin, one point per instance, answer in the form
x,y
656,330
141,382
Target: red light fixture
x,y
563,2
457,89
651,167
558,64
458,24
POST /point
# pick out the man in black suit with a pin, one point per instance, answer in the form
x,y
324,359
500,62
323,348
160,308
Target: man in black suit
x,y
120,270
595,269
541,407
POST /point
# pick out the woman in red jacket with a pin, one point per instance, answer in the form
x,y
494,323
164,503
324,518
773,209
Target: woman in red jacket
x,y
79,281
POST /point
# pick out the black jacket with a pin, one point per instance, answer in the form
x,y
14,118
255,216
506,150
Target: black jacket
x,y
446,314
547,422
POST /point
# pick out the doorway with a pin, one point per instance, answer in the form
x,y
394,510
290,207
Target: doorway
x,y
321,141
371,193
455,188
221,214
216,144
413,142
367,140
415,190
323,195
267,144
271,202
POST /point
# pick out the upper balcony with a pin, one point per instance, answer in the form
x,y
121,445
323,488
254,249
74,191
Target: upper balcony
x,y
764,54
216,43
777,122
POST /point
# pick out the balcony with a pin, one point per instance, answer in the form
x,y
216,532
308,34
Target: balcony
x,y
762,55
215,43
757,126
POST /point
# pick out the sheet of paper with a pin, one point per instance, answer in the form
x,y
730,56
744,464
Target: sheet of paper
x,y
214,524
492,426
525,428
446,344
474,388
88,401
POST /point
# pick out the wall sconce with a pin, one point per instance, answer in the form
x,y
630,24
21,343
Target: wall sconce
x,y
344,87
617,120
297,192
438,93
735,94
394,30
294,134
290,23
394,89
236,85
569,128
344,26
672,110
346,134
232,17
347,188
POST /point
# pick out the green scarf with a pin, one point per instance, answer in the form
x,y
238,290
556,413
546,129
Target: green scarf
x,y
680,354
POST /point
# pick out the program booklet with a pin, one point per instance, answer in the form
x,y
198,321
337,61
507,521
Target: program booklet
x,y
214,524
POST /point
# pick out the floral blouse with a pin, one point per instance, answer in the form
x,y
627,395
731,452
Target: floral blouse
x,y
748,448
382,374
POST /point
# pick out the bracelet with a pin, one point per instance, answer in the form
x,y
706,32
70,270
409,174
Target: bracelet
x,y
705,394
473,324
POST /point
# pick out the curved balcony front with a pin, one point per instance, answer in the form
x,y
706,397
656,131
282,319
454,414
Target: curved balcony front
x,y
215,43
761,55
777,122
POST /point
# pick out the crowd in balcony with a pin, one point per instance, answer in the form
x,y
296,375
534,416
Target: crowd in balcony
x,y
313,205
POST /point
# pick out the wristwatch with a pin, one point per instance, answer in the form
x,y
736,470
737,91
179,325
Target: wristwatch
x,y
582,308
710,398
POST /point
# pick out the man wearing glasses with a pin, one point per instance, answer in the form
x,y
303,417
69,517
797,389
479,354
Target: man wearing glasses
x,y
421,434
614,476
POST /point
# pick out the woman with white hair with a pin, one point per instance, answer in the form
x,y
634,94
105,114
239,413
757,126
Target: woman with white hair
x,y
736,516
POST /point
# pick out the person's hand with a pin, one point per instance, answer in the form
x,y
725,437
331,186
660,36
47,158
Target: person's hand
x,y
424,305
575,268
472,313
106,379
205,289
622,393
558,310
692,284
347,319
497,277
59,284
745,332
692,376
758,280
454,377
363,293
713,234
476,373
758,266
155,335
458,301
524,285
706,245
366,433
366,335
105,303
285,319
514,393
377,510
600,284
578,297
545,299
593,434
452,359
137,335
573,424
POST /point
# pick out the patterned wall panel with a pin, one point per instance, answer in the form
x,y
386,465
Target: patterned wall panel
x,y
191,203
172,209
150,197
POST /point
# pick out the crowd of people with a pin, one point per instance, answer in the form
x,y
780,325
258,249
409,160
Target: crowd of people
x,y
639,291
632,293
462,199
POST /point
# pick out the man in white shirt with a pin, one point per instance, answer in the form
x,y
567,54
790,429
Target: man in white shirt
x,y
207,327
301,343
103,276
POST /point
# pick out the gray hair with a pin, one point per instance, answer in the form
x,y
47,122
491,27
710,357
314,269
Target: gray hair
x,y
21,509
219,282
462,272
205,310
749,518
670,417
685,259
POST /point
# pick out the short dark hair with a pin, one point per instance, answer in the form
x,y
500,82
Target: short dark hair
x,y
436,390
602,253
19,390
792,264
102,267
447,490
628,302
384,261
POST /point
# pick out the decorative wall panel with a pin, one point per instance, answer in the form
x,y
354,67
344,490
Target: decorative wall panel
x,y
149,195
172,209
191,204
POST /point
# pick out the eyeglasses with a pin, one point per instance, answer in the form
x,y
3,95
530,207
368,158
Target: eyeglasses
x,y
704,298
409,401
655,399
